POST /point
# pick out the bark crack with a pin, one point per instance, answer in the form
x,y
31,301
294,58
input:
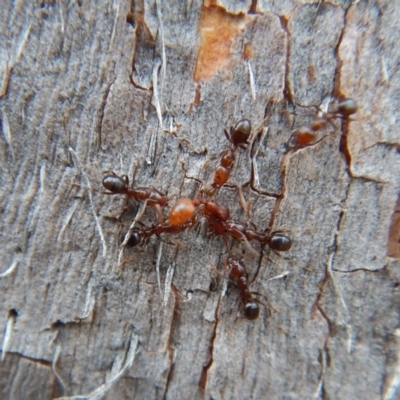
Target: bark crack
x,y
206,367
40,361
168,345
102,107
287,92
337,93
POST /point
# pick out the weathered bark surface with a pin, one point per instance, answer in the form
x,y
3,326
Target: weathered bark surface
x,y
85,86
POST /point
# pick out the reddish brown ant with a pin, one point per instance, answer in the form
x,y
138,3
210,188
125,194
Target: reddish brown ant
x,y
239,276
181,217
219,218
120,185
142,235
305,135
276,241
238,137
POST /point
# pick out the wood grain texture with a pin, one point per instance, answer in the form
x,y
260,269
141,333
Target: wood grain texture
x,y
89,86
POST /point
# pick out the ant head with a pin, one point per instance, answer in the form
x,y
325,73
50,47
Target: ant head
x,y
251,311
347,107
133,240
280,242
240,133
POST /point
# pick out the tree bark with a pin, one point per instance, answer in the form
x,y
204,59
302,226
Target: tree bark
x,y
146,89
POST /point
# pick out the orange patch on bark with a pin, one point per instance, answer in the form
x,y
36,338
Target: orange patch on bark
x,y
394,233
218,29
247,52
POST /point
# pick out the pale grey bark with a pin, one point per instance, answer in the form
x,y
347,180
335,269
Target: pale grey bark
x,y
84,85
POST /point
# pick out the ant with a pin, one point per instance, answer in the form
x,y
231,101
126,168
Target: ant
x,y
219,219
238,137
276,241
239,276
142,235
120,185
305,135
181,217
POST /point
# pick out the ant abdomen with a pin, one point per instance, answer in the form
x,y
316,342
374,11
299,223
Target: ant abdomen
x,y
347,107
182,211
134,240
251,311
279,242
240,133
221,176
115,184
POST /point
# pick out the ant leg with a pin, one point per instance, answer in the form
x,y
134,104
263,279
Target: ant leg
x,y
73,184
280,255
235,306
177,243
109,171
228,136
157,207
245,204
125,179
267,305
277,253
247,244
215,270
225,239
139,215
222,274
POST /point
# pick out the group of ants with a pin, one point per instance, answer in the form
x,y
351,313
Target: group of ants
x,y
185,213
